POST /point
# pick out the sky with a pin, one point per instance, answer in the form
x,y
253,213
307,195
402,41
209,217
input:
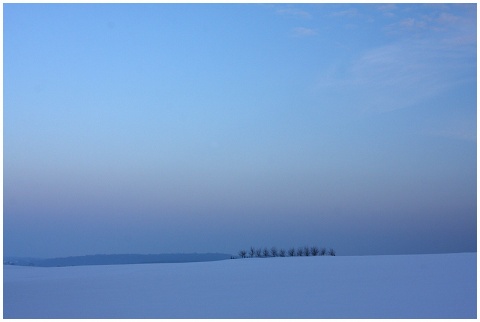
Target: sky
x,y
170,128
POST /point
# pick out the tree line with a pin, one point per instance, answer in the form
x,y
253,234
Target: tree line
x,y
274,252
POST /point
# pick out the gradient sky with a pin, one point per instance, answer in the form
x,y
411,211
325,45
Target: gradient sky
x,y
209,128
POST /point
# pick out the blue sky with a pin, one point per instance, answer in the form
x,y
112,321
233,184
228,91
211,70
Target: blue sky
x,y
210,128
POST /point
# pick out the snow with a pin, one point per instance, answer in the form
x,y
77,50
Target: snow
x,y
401,286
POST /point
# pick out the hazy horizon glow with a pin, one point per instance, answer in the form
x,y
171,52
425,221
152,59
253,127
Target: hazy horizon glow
x,y
154,128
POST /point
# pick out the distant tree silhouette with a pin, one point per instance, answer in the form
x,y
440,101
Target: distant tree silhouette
x,y
266,253
274,252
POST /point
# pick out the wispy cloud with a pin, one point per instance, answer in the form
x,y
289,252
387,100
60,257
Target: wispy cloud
x,y
294,12
352,12
459,133
412,23
402,74
439,21
447,18
428,55
397,75
303,32
459,128
388,9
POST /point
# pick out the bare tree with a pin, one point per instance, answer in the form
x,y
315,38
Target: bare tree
x,y
266,253
274,252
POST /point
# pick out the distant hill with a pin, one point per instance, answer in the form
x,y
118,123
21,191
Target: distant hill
x,y
116,259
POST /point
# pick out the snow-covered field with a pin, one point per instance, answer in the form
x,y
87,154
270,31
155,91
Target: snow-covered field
x,y
402,286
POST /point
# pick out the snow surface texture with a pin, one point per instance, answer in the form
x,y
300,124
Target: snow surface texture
x,y
402,286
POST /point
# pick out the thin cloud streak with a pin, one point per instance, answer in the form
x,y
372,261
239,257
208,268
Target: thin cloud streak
x,y
293,12
303,32
345,13
459,133
445,23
